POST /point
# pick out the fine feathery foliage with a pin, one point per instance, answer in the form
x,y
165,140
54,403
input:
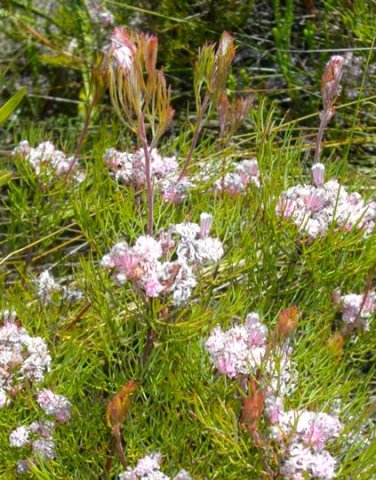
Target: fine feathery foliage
x,y
194,293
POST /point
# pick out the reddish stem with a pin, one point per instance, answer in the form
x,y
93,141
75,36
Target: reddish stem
x,y
319,138
149,186
119,447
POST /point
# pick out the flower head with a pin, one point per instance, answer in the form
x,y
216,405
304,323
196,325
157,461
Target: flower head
x,y
205,224
48,162
149,468
314,208
356,309
239,350
122,48
167,264
54,404
19,437
23,358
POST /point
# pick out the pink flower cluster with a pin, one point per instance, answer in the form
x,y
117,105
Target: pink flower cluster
x,y
175,189
244,350
235,179
48,162
239,350
23,358
356,309
53,404
149,468
303,436
315,208
167,264
129,169
244,173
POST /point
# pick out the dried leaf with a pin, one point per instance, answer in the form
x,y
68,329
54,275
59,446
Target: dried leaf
x,y
116,413
335,345
252,409
118,406
287,322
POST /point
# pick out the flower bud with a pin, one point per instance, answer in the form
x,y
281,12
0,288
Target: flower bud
x,y
331,79
241,108
226,46
205,224
150,53
336,297
287,322
318,171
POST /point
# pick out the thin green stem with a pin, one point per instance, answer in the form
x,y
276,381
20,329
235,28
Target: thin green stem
x,y
197,131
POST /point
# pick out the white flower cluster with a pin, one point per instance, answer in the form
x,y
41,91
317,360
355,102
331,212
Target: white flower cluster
x,y
235,179
244,173
302,461
129,169
166,265
314,208
149,468
26,359
39,436
305,434
49,162
98,14
47,286
356,309
22,358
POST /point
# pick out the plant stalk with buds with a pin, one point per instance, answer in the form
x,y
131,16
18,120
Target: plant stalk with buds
x,y
329,92
140,95
210,76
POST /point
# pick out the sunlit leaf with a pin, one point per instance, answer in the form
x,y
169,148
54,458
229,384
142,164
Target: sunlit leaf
x,y
60,61
10,106
5,176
